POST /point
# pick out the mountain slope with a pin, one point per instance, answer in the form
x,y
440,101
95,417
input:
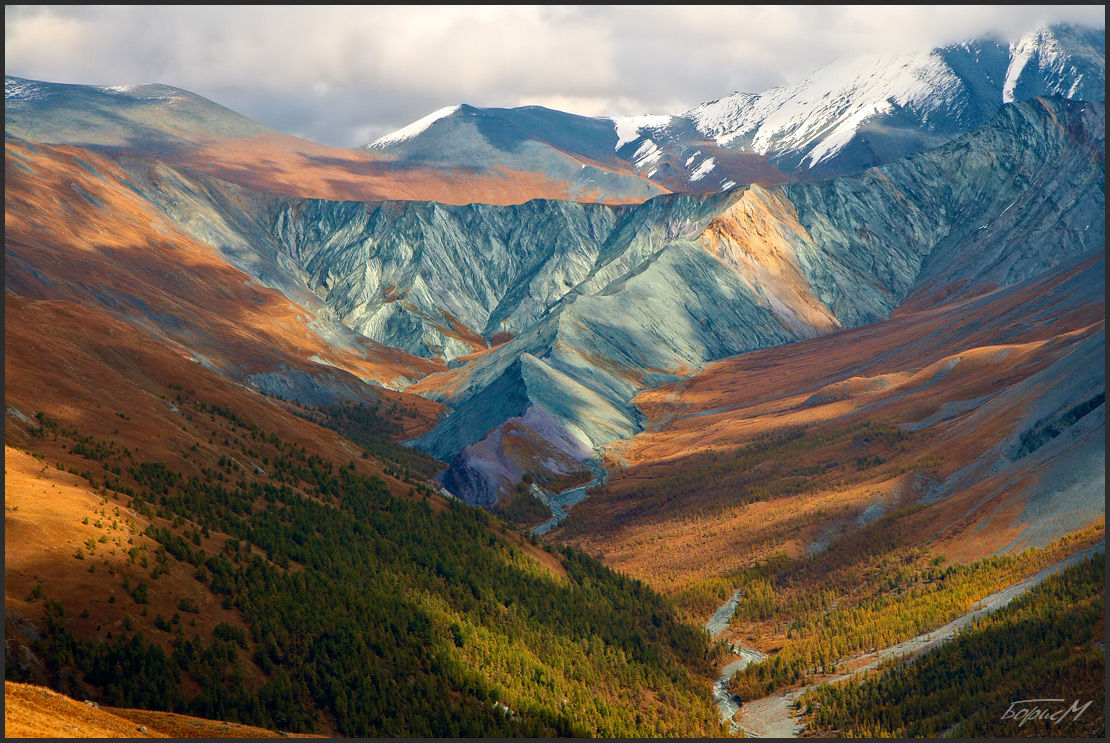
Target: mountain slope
x,y
608,155
175,126
856,113
796,261
180,543
976,425
574,149
77,230
36,712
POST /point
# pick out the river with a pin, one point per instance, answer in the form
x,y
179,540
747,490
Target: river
x,y
726,703
559,503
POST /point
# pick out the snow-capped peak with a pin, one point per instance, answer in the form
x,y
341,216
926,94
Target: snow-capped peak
x,y
824,110
415,128
811,121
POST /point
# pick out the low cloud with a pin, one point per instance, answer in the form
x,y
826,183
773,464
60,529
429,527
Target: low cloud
x,y
345,75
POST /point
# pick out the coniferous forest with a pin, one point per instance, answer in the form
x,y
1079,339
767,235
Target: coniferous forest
x,y
392,616
1044,645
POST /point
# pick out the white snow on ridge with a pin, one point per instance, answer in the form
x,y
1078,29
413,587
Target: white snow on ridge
x,y
628,127
830,144
119,89
415,128
1050,54
727,117
148,93
1020,54
818,116
646,154
821,113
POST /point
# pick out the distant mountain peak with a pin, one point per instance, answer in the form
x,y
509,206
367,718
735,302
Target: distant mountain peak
x,y
414,129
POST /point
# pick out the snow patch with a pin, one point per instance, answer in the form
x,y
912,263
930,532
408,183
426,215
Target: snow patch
x,y
703,170
23,90
646,154
628,127
415,128
118,88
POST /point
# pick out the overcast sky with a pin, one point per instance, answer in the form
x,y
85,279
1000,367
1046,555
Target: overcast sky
x,y
346,75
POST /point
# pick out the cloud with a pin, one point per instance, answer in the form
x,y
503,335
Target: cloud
x,y
344,75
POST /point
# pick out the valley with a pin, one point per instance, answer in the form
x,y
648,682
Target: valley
x,y
521,423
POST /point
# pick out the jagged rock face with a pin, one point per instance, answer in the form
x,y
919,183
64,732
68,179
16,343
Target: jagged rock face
x,y
603,302
441,280
847,116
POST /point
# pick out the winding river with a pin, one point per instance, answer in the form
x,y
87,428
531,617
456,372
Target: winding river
x,y
726,703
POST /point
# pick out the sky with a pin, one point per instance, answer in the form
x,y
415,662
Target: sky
x,y
345,75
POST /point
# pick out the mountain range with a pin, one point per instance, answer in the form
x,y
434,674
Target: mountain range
x,y
849,115
868,303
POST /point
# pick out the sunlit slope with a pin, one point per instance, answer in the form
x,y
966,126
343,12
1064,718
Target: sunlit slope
x,y
553,316
77,230
980,423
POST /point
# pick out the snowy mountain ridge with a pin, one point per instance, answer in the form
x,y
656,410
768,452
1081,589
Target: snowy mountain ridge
x,y
851,114
820,115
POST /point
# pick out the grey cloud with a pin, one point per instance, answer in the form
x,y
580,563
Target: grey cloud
x,y
343,75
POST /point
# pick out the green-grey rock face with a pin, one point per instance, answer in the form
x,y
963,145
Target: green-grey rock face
x,y
602,302
409,274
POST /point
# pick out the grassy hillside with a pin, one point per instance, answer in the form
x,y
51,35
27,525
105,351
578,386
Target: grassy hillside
x,y
362,612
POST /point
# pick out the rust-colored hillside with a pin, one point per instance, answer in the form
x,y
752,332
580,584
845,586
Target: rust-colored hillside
x,y
787,449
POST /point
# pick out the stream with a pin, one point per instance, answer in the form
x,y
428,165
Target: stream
x,y
560,503
726,703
